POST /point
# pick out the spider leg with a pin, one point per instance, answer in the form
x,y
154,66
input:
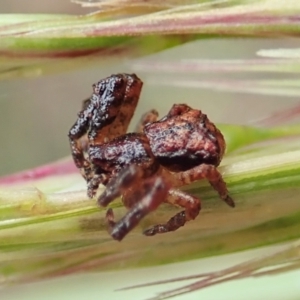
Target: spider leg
x,y
106,113
207,171
149,117
152,193
78,139
192,207
77,147
130,101
119,184
143,197
93,184
117,105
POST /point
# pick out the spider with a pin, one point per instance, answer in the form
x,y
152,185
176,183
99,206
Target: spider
x,y
148,166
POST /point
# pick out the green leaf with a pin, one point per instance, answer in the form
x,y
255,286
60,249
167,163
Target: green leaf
x,y
53,230
36,38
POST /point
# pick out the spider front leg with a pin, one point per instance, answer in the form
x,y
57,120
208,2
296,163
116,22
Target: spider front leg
x,y
79,142
143,196
119,184
77,131
210,172
94,182
79,146
176,197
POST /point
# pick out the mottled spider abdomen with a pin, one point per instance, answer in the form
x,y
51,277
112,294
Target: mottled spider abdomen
x,y
185,138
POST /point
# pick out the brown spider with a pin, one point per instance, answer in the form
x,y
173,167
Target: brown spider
x,y
145,167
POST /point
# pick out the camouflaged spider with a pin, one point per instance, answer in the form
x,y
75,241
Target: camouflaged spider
x,y
145,167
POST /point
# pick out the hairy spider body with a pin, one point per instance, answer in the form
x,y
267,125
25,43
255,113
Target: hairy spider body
x,y
184,139
132,148
147,166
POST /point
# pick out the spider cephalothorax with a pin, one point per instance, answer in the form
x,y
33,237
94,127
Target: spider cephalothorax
x,y
145,167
